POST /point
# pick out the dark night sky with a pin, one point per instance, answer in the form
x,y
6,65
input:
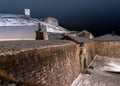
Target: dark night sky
x,y
97,16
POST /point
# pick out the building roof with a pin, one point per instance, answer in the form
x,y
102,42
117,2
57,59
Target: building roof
x,y
108,37
55,36
84,31
81,39
78,39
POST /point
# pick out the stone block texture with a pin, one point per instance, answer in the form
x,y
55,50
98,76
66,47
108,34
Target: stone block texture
x,y
47,66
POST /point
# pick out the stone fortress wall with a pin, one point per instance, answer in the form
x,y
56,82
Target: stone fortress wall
x,y
55,63
51,63
108,48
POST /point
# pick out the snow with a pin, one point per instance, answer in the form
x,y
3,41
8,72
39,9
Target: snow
x,y
99,75
21,20
112,66
16,20
78,81
10,16
51,28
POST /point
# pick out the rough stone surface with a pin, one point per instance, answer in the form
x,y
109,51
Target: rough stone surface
x,y
87,54
45,66
53,62
16,46
108,48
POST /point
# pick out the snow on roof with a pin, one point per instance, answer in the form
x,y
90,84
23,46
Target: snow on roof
x,y
108,37
84,31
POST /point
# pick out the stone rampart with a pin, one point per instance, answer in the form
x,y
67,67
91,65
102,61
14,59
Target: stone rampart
x,y
45,63
108,48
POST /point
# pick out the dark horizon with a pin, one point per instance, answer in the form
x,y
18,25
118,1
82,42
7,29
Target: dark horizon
x,y
97,16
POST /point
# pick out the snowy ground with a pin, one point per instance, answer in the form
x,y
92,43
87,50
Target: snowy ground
x,y
105,72
21,20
